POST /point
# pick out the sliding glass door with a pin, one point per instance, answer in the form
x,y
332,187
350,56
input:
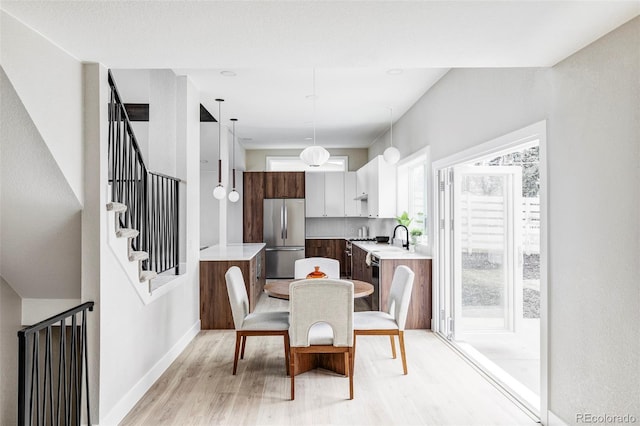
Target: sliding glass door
x,y
488,264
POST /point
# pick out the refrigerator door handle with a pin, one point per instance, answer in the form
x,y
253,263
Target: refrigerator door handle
x,y
282,222
286,222
284,249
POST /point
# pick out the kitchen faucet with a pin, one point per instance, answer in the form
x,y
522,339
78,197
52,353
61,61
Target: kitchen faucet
x,y
404,245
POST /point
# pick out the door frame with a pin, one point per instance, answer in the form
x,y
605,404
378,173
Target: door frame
x,y
529,134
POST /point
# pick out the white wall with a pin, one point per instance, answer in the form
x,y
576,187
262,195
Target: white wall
x,y
39,213
591,102
594,226
10,314
49,84
136,342
162,122
209,209
220,218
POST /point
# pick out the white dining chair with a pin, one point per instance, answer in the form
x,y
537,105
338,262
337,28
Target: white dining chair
x,y
331,267
392,321
256,323
321,322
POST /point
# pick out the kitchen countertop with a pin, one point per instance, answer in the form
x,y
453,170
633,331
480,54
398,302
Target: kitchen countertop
x,y
231,252
387,251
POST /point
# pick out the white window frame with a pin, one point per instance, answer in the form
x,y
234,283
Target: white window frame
x,y
422,156
282,163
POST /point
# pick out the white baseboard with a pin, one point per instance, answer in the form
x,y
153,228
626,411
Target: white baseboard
x,y
131,398
36,310
554,420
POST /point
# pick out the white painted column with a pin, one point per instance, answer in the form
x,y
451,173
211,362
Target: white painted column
x,y
222,204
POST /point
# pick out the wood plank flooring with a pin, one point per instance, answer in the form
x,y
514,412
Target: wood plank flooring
x,y
440,389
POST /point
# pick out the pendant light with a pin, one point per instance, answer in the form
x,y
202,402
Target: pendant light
x,y
391,155
314,155
219,191
234,196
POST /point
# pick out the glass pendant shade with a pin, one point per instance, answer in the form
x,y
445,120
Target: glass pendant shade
x,y
391,155
234,196
219,192
314,155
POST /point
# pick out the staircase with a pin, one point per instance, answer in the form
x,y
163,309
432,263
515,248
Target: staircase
x,y
145,204
134,255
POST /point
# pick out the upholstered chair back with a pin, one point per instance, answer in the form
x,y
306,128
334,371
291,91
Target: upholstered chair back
x,y
400,295
238,297
325,303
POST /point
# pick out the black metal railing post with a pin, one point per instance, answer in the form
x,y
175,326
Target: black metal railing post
x,y
37,403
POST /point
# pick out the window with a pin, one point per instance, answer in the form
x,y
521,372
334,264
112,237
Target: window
x,y
295,164
412,194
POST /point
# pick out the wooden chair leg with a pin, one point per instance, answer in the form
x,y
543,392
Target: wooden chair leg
x,y
354,350
393,346
235,357
351,356
244,342
286,353
402,352
292,369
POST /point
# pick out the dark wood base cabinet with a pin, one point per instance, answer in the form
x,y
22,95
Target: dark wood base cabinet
x,y
332,248
215,309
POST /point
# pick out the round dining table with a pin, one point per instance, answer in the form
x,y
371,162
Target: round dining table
x,y
330,361
280,289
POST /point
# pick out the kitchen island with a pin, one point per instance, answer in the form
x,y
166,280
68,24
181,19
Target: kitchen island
x,y
215,310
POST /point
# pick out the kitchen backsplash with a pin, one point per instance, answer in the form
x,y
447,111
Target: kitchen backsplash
x,y
347,227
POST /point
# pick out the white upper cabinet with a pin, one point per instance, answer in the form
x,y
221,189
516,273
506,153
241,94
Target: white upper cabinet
x,y
334,194
362,181
369,192
314,194
324,194
381,188
351,205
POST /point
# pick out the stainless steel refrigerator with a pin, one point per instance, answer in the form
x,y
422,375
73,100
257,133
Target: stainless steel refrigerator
x,y
284,235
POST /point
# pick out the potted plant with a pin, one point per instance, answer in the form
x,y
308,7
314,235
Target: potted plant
x,y
404,219
415,233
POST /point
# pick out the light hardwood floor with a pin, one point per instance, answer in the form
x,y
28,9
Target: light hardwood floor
x,y
440,389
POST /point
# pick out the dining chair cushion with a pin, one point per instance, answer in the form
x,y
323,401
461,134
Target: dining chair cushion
x,y
266,321
321,300
374,320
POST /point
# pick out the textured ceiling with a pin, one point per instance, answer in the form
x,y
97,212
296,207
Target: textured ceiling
x,y
274,45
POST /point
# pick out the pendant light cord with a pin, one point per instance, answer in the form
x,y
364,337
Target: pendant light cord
x,y
314,106
391,126
234,153
219,140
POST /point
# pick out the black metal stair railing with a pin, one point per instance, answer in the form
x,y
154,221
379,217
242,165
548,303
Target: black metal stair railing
x,y
152,199
53,374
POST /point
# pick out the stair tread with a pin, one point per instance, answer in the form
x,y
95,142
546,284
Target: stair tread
x,y
127,233
138,255
116,207
147,276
